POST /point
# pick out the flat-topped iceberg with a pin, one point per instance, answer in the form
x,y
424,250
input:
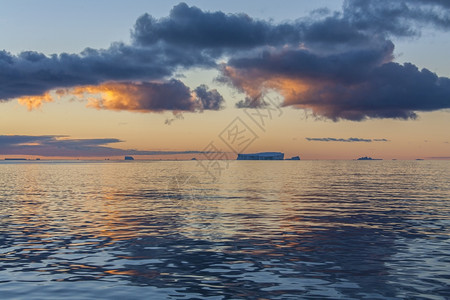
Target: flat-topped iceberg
x,y
261,156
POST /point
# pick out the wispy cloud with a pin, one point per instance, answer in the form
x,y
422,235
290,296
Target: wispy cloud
x,y
348,140
56,145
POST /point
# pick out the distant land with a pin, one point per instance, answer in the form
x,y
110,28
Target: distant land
x,y
15,159
368,158
265,156
262,156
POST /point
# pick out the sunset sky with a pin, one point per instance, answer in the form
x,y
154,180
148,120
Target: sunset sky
x,y
154,79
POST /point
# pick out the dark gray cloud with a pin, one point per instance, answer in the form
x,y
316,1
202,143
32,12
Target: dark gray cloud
x,y
140,96
349,66
172,95
216,33
193,28
55,145
209,99
338,64
249,102
32,73
353,85
175,117
332,30
348,140
397,18
389,91
356,80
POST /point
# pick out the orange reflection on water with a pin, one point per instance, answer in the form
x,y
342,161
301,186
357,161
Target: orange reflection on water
x,y
51,204
130,272
80,266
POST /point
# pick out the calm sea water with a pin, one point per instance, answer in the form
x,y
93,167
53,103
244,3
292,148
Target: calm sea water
x,y
262,230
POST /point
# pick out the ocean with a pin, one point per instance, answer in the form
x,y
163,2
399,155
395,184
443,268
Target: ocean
x,y
248,230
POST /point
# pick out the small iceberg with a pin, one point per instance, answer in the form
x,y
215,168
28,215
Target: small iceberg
x,y
294,158
129,158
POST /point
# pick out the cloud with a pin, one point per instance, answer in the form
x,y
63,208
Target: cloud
x,y
348,140
34,102
57,145
355,85
339,64
175,117
209,99
343,68
193,28
397,18
31,73
172,95
249,102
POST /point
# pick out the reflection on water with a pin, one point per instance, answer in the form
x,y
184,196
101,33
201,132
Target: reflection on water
x,y
274,230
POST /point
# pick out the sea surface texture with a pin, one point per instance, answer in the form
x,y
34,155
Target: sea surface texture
x,y
257,230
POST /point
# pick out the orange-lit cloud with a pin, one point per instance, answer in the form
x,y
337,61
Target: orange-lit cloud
x,y
354,85
254,83
172,95
145,96
338,64
35,102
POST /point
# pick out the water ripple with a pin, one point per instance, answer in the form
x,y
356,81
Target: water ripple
x,y
353,230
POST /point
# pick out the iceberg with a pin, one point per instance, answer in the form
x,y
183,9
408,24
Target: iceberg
x,y
261,156
294,158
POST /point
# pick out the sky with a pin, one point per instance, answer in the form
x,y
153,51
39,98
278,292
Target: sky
x,y
210,79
